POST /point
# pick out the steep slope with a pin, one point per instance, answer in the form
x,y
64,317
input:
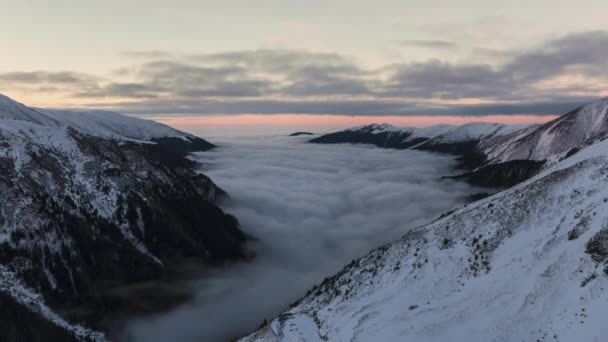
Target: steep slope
x,y
114,125
380,135
570,132
13,110
81,214
527,264
482,144
462,141
394,137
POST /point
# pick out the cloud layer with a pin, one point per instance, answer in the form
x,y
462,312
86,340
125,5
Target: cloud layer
x,y
313,208
567,70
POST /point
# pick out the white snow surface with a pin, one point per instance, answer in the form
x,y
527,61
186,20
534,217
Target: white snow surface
x,y
13,110
576,129
25,132
445,133
476,131
114,125
10,284
99,123
431,131
506,268
501,143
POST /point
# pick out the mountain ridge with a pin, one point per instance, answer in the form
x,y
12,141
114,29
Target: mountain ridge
x,y
528,263
83,213
481,145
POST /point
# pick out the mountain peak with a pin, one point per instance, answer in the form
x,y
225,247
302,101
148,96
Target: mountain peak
x,y
13,110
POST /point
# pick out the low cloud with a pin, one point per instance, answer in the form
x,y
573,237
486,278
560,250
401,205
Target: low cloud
x,y
313,208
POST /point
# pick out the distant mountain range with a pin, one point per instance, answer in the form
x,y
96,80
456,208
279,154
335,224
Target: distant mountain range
x,y
495,154
92,201
529,263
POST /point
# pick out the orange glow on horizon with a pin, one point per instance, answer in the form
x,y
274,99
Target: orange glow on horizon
x,y
322,123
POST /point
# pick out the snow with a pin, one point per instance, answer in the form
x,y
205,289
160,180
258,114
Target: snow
x,y
13,110
11,285
501,269
431,131
437,134
98,123
113,125
27,134
574,130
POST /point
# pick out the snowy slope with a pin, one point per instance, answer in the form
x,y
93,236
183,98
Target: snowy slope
x,y
445,133
475,131
573,130
506,149
431,131
527,264
11,284
414,137
13,110
88,203
114,125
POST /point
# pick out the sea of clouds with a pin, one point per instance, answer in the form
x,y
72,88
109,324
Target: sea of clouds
x,y
312,208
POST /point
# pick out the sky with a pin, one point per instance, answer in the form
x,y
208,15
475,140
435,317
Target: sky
x,y
367,58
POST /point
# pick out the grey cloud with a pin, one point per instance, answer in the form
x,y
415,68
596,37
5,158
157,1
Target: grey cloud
x,y
200,81
303,74
559,105
41,77
582,53
585,52
247,74
297,73
131,90
431,44
305,82
306,233
193,106
444,80
340,79
274,60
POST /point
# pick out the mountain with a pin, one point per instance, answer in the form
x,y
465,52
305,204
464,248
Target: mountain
x,y
553,140
94,201
12,110
433,137
459,140
297,134
495,155
114,125
527,264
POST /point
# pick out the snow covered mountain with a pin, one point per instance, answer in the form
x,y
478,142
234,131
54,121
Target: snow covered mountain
x,y
459,140
494,143
566,134
496,155
92,201
114,125
389,136
527,264
13,110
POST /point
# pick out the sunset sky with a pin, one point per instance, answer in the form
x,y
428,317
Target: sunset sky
x,y
364,58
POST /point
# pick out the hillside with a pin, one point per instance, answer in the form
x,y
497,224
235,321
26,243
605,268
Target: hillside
x,y
82,213
527,264
494,155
